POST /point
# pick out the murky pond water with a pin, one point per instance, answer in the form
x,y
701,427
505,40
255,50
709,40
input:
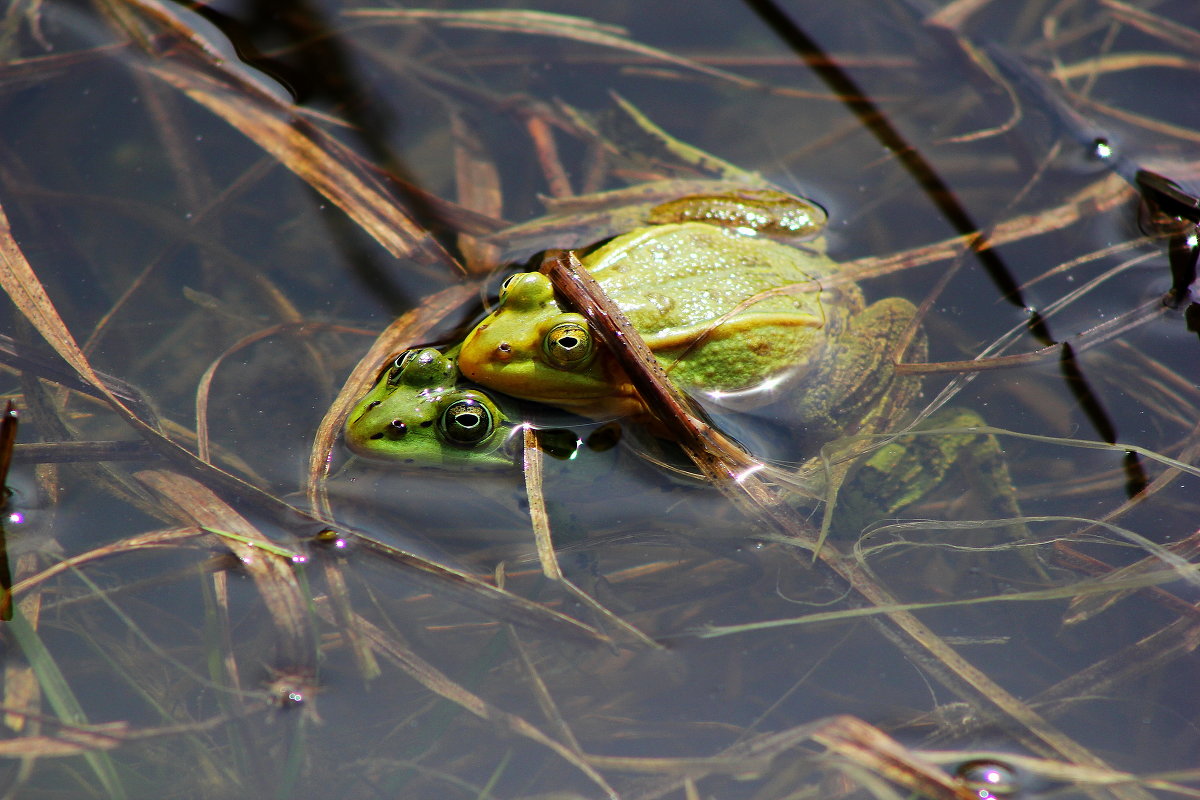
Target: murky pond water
x,y
212,598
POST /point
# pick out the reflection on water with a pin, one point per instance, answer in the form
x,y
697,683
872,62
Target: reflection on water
x,y
227,262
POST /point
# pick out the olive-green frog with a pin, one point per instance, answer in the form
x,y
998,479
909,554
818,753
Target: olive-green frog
x,y
419,413
735,316
422,413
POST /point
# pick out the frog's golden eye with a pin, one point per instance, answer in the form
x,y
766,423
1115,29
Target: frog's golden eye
x,y
466,422
568,345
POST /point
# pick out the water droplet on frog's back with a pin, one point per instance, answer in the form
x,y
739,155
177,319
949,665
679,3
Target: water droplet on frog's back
x,y
662,303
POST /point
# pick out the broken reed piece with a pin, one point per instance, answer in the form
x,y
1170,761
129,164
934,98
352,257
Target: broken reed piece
x,y
8,436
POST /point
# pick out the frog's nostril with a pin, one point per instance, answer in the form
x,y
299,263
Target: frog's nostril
x,y
504,351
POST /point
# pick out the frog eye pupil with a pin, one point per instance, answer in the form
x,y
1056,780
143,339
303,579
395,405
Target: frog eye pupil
x,y
569,345
466,422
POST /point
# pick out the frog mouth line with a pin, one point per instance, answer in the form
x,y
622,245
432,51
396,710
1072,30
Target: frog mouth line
x,y
511,377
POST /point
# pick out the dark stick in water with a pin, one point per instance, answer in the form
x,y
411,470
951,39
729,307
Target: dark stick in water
x,y
8,435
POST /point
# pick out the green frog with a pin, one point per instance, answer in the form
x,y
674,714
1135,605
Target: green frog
x,y
736,316
420,413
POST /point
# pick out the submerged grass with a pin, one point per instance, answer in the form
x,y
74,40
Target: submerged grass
x,y
61,697
1072,591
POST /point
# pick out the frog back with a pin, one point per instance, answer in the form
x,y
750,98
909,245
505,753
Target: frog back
x,y
722,310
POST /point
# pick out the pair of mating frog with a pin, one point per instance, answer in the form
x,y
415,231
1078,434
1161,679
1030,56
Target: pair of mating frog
x,y
733,293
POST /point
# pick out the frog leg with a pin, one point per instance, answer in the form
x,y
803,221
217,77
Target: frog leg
x,y
909,468
860,391
912,467
857,390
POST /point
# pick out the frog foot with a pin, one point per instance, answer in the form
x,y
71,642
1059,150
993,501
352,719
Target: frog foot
x,y
910,468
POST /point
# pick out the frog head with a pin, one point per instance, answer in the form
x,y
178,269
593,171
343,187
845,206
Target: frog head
x,y
418,413
529,347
